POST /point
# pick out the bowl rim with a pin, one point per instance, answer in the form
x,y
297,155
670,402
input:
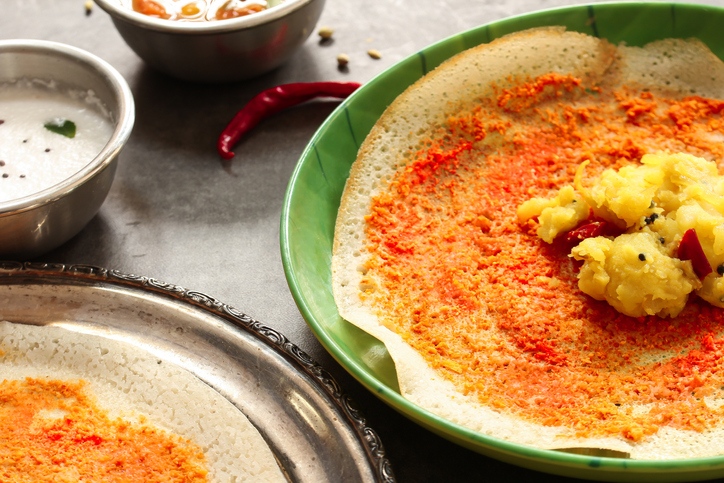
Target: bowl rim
x,y
124,120
544,460
119,12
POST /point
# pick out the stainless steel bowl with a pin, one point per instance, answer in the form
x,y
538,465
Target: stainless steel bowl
x,y
37,223
217,51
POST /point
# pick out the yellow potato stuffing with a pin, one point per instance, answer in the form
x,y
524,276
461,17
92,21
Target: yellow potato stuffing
x,y
653,204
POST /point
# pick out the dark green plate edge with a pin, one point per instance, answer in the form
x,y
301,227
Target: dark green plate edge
x,y
333,155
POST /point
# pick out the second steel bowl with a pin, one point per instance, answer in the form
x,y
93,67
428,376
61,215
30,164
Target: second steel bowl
x,y
220,50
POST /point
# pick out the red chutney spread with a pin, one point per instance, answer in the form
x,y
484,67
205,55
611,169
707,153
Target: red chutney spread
x,y
496,310
53,431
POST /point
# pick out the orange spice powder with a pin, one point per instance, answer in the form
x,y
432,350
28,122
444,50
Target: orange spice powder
x,y
84,444
497,311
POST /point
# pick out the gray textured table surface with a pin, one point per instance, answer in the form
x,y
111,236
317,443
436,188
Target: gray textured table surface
x,y
175,214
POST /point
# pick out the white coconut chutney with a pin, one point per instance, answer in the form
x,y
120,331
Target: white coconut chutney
x,y
33,158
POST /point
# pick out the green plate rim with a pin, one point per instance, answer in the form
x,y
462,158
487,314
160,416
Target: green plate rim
x,y
590,467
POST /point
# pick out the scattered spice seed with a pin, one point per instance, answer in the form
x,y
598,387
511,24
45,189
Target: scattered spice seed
x,y
2,121
342,60
2,163
642,257
47,150
720,269
375,54
5,175
22,175
326,33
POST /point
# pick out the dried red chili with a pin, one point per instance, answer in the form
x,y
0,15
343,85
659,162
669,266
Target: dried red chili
x,y
690,249
591,230
273,100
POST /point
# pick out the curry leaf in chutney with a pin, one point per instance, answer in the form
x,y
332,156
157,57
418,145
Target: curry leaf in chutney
x,y
63,127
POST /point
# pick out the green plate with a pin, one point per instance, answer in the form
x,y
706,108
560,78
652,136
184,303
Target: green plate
x,y
312,199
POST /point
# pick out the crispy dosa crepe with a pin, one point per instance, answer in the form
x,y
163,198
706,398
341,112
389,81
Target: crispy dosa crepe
x,y
389,305
129,383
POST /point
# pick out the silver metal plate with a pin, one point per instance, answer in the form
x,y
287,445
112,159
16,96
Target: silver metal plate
x,y
315,430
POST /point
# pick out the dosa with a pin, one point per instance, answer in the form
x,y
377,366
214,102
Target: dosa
x,y
484,323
